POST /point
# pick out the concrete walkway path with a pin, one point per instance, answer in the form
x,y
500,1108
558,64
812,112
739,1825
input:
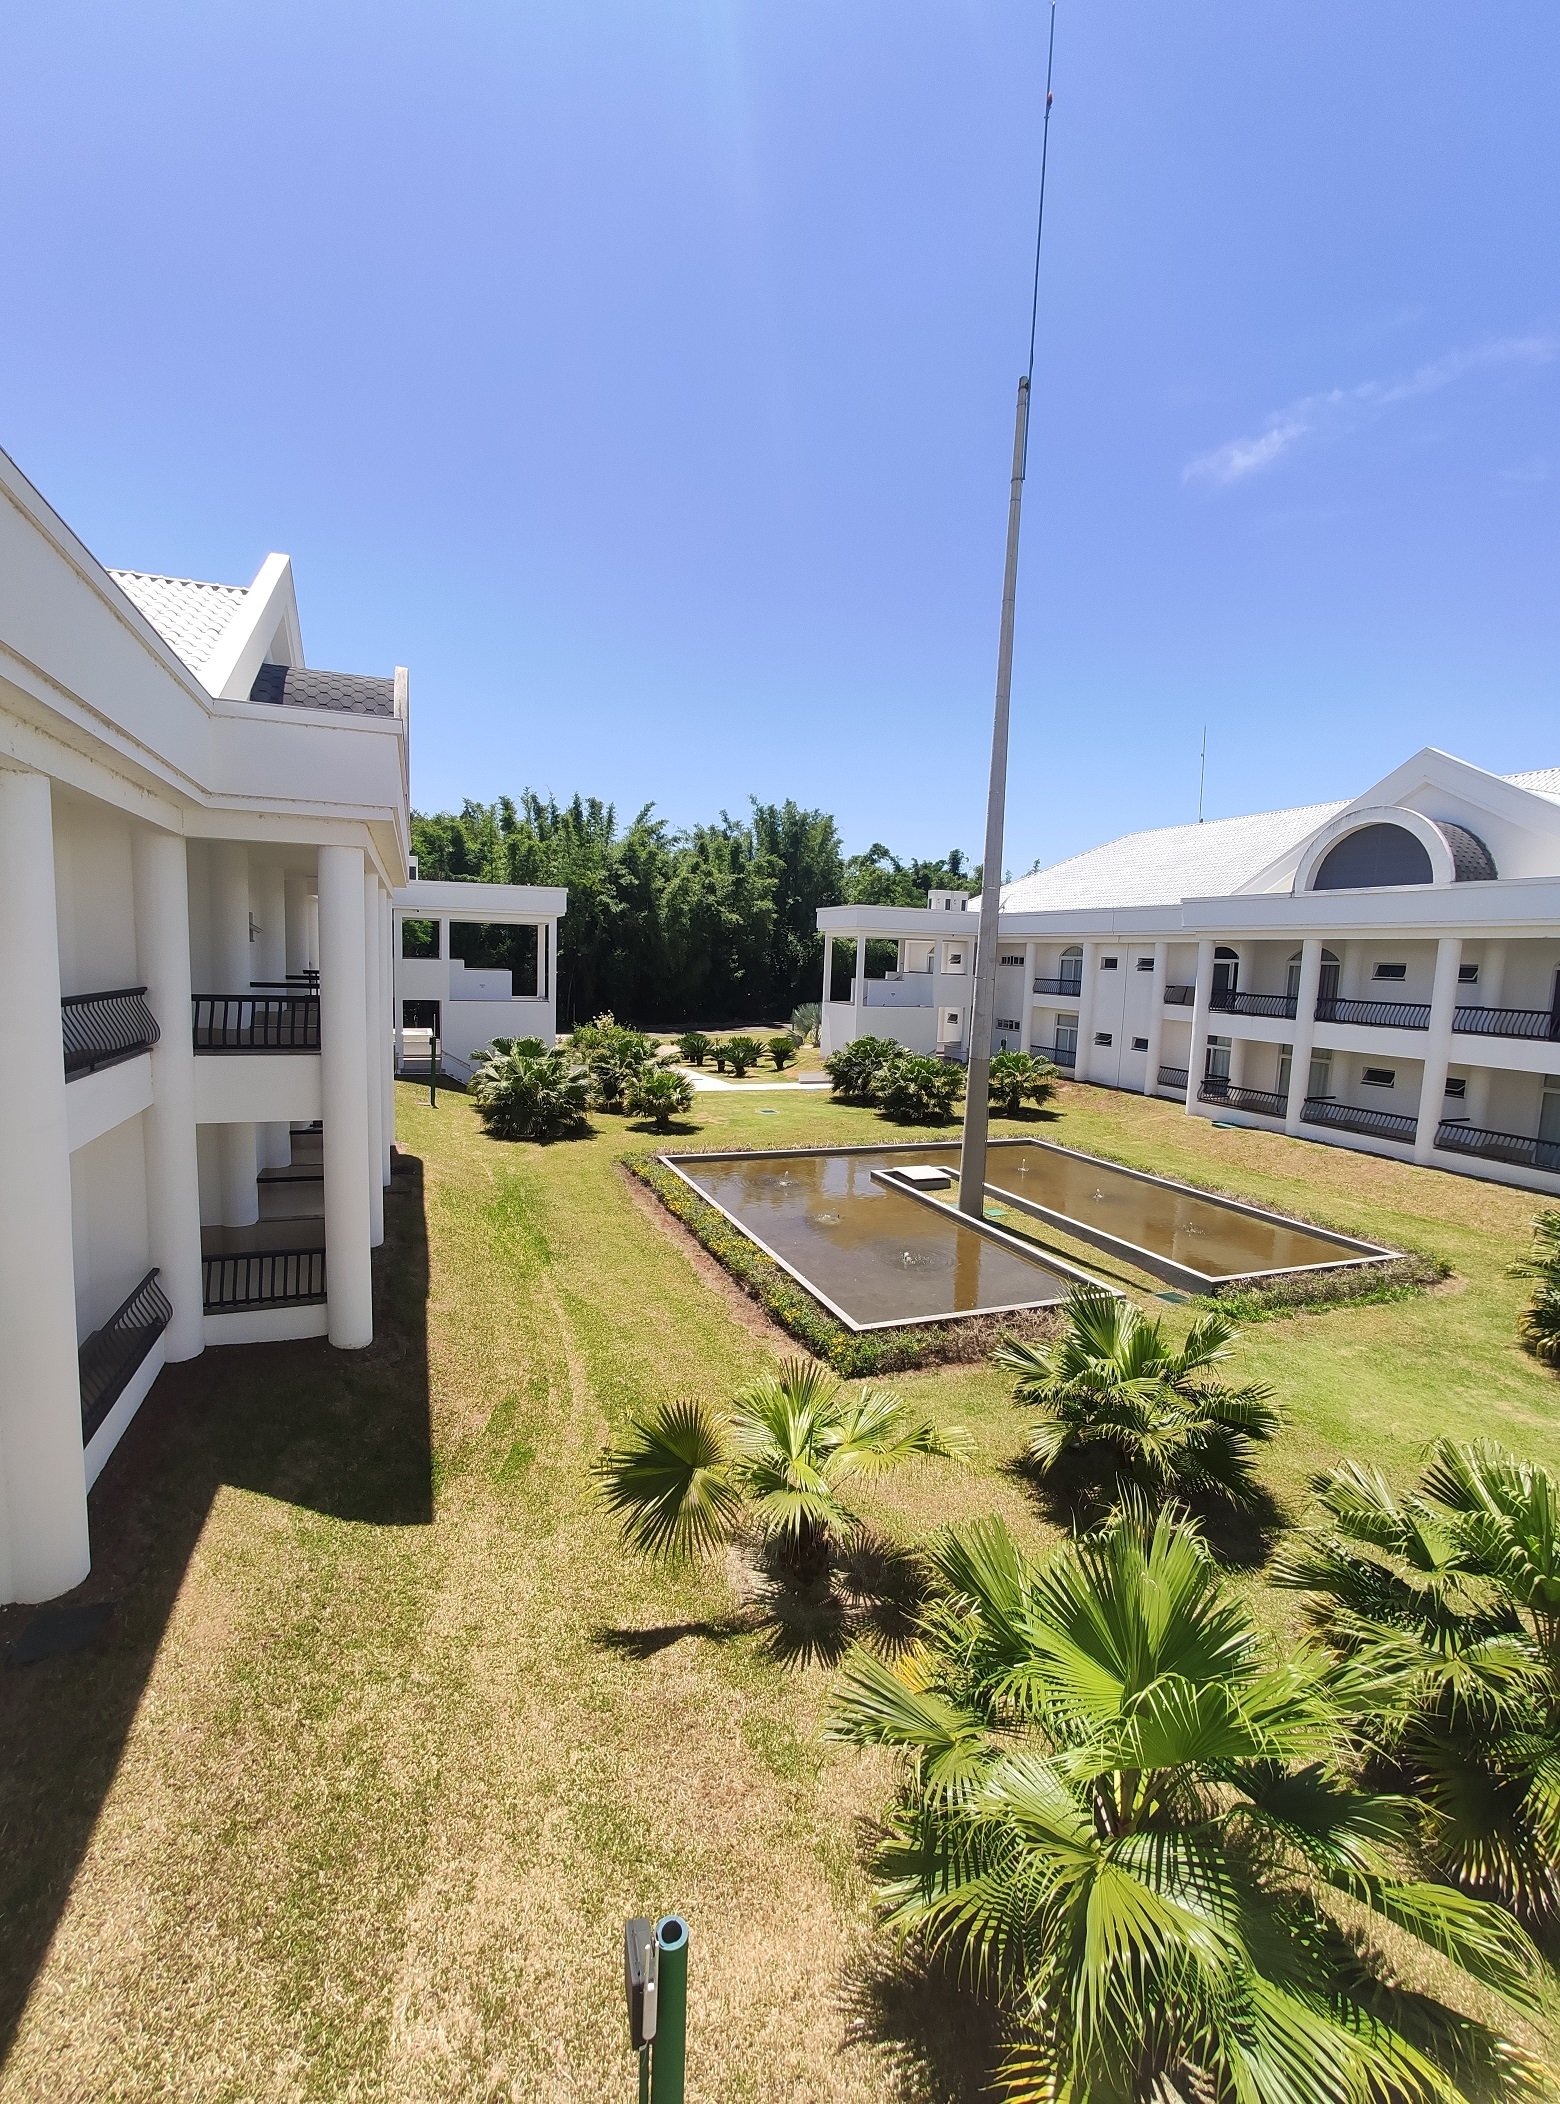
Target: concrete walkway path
x,y
704,1081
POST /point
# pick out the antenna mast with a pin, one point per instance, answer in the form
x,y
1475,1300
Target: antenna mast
x,y
977,1106
1202,774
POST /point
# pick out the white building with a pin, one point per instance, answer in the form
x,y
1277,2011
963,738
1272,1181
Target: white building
x,y
1381,974
200,837
511,990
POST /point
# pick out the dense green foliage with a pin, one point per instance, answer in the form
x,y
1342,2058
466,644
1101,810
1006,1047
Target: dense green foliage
x,y
915,1089
782,1050
684,1479
525,1092
614,1057
1139,1825
1114,1387
1456,1588
1018,1078
694,1047
1539,1321
807,1022
855,1068
716,921
742,1052
659,1094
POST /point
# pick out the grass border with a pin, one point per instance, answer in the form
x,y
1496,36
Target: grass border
x,y
851,1353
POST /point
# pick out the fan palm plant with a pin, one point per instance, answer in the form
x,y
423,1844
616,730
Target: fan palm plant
x,y
684,1480
526,1092
1128,1818
1158,1412
1458,1586
1539,1322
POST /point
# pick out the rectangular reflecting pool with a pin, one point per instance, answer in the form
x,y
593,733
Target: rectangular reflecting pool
x,y
873,1255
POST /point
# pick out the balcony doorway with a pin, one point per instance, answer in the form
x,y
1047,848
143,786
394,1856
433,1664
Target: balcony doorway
x,y
1226,976
1326,985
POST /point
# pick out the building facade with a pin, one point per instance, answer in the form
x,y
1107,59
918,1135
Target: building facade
x,y
474,962
200,838
1381,974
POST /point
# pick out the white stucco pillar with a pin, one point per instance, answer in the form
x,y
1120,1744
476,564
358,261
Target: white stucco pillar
x,y
1156,1019
1304,1040
1438,1045
349,1285
1200,1014
232,952
1086,987
859,987
297,904
373,1065
1027,1011
268,890
389,1032
43,1487
162,946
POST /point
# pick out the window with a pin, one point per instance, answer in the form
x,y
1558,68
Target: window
x,y
1457,1085
1467,975
419,938
1140,1044
1007,1023
1067,1035
955,959
1379,1077
1103,1037
1109,964
1327,979
1389,971
1371,856
1011,957
1145,964
1216,1062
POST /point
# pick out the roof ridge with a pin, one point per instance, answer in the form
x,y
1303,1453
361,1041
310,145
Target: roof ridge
x,y
204,584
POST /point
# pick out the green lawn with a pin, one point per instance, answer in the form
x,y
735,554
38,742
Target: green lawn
x,y
387,1735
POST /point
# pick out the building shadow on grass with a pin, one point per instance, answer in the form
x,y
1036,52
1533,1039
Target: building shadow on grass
x,y
1081,1490
342,1434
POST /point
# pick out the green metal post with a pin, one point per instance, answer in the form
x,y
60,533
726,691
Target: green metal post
x,y
668,2052
433,1069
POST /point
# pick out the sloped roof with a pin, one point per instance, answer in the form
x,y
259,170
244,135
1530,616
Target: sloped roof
x,y
1169,863
1542,781
188,615
295,687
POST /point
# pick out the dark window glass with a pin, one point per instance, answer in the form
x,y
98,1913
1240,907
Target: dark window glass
x,y
1140,1044
1379,1077
1145,964
1375,855
1456,1085
1390,971
1103,1037
1109,964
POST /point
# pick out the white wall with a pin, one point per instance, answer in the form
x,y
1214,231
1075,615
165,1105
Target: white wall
x,y
108,1222
94,901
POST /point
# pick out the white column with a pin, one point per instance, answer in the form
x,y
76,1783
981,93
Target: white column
x,y
373,1062
344,1110
297,902
1156,1018
1200,1014
1438,1045
273,1142
1086,986
162,946
1304,1041
43,1489
389,1032
231,950
858,991
400,1026
1027,1011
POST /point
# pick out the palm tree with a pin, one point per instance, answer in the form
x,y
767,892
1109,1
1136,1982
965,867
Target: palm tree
x,y
1539,1322
1129,1819
1017,1077
683,1480
1161,1417
1458,1587
526,1092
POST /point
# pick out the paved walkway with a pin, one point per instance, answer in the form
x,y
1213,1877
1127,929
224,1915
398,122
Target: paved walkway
x,y
702,1079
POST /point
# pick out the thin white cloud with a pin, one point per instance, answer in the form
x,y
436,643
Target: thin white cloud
x,y
1339,410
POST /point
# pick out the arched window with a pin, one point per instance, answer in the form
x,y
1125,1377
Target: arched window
x,y
1327,984
1226,973
1072,967
1374,856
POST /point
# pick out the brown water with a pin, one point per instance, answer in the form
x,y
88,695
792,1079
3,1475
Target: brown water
x,y
875,1254
1198,1233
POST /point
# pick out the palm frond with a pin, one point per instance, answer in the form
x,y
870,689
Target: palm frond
x,y
671,1481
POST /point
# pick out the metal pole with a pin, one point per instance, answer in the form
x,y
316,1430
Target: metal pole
x,y
668,2052
433,1067
977,1109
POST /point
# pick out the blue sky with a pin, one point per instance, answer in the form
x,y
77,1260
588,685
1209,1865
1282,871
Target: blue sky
x,y
641,375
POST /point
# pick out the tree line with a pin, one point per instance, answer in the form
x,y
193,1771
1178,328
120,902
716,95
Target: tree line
x,y
714,923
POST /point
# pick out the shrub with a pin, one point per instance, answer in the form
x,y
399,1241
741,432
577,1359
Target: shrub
x,y
614,1056
807,1023
743,1052
660,1095
1018,1078
916,1089
855,1068
1539,1322
782,1050
694,1047
525,1092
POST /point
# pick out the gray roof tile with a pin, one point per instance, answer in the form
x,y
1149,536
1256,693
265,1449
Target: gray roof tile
x,y
301,687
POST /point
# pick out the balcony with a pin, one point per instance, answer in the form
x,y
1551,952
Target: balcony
x,y
1252,1004
1063,1055
1343,1117
112,1356
1533,1023
261,1278
100,1030
1060,989
257,1023
1267,1103
1376,1015
1175,1078
1177,996
1515,1148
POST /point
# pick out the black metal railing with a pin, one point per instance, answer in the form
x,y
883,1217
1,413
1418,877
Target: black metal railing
x,y
250,1023
1063,1055
262,1278
1381,1015
1269,1103
1542,1023
1178,996
1069,989
102,1029
1175,1078
1232,1003
1378,1124
1519,1149
111,1357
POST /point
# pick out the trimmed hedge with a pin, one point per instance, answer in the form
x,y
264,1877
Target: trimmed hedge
x,y
853,1354
1292,1292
